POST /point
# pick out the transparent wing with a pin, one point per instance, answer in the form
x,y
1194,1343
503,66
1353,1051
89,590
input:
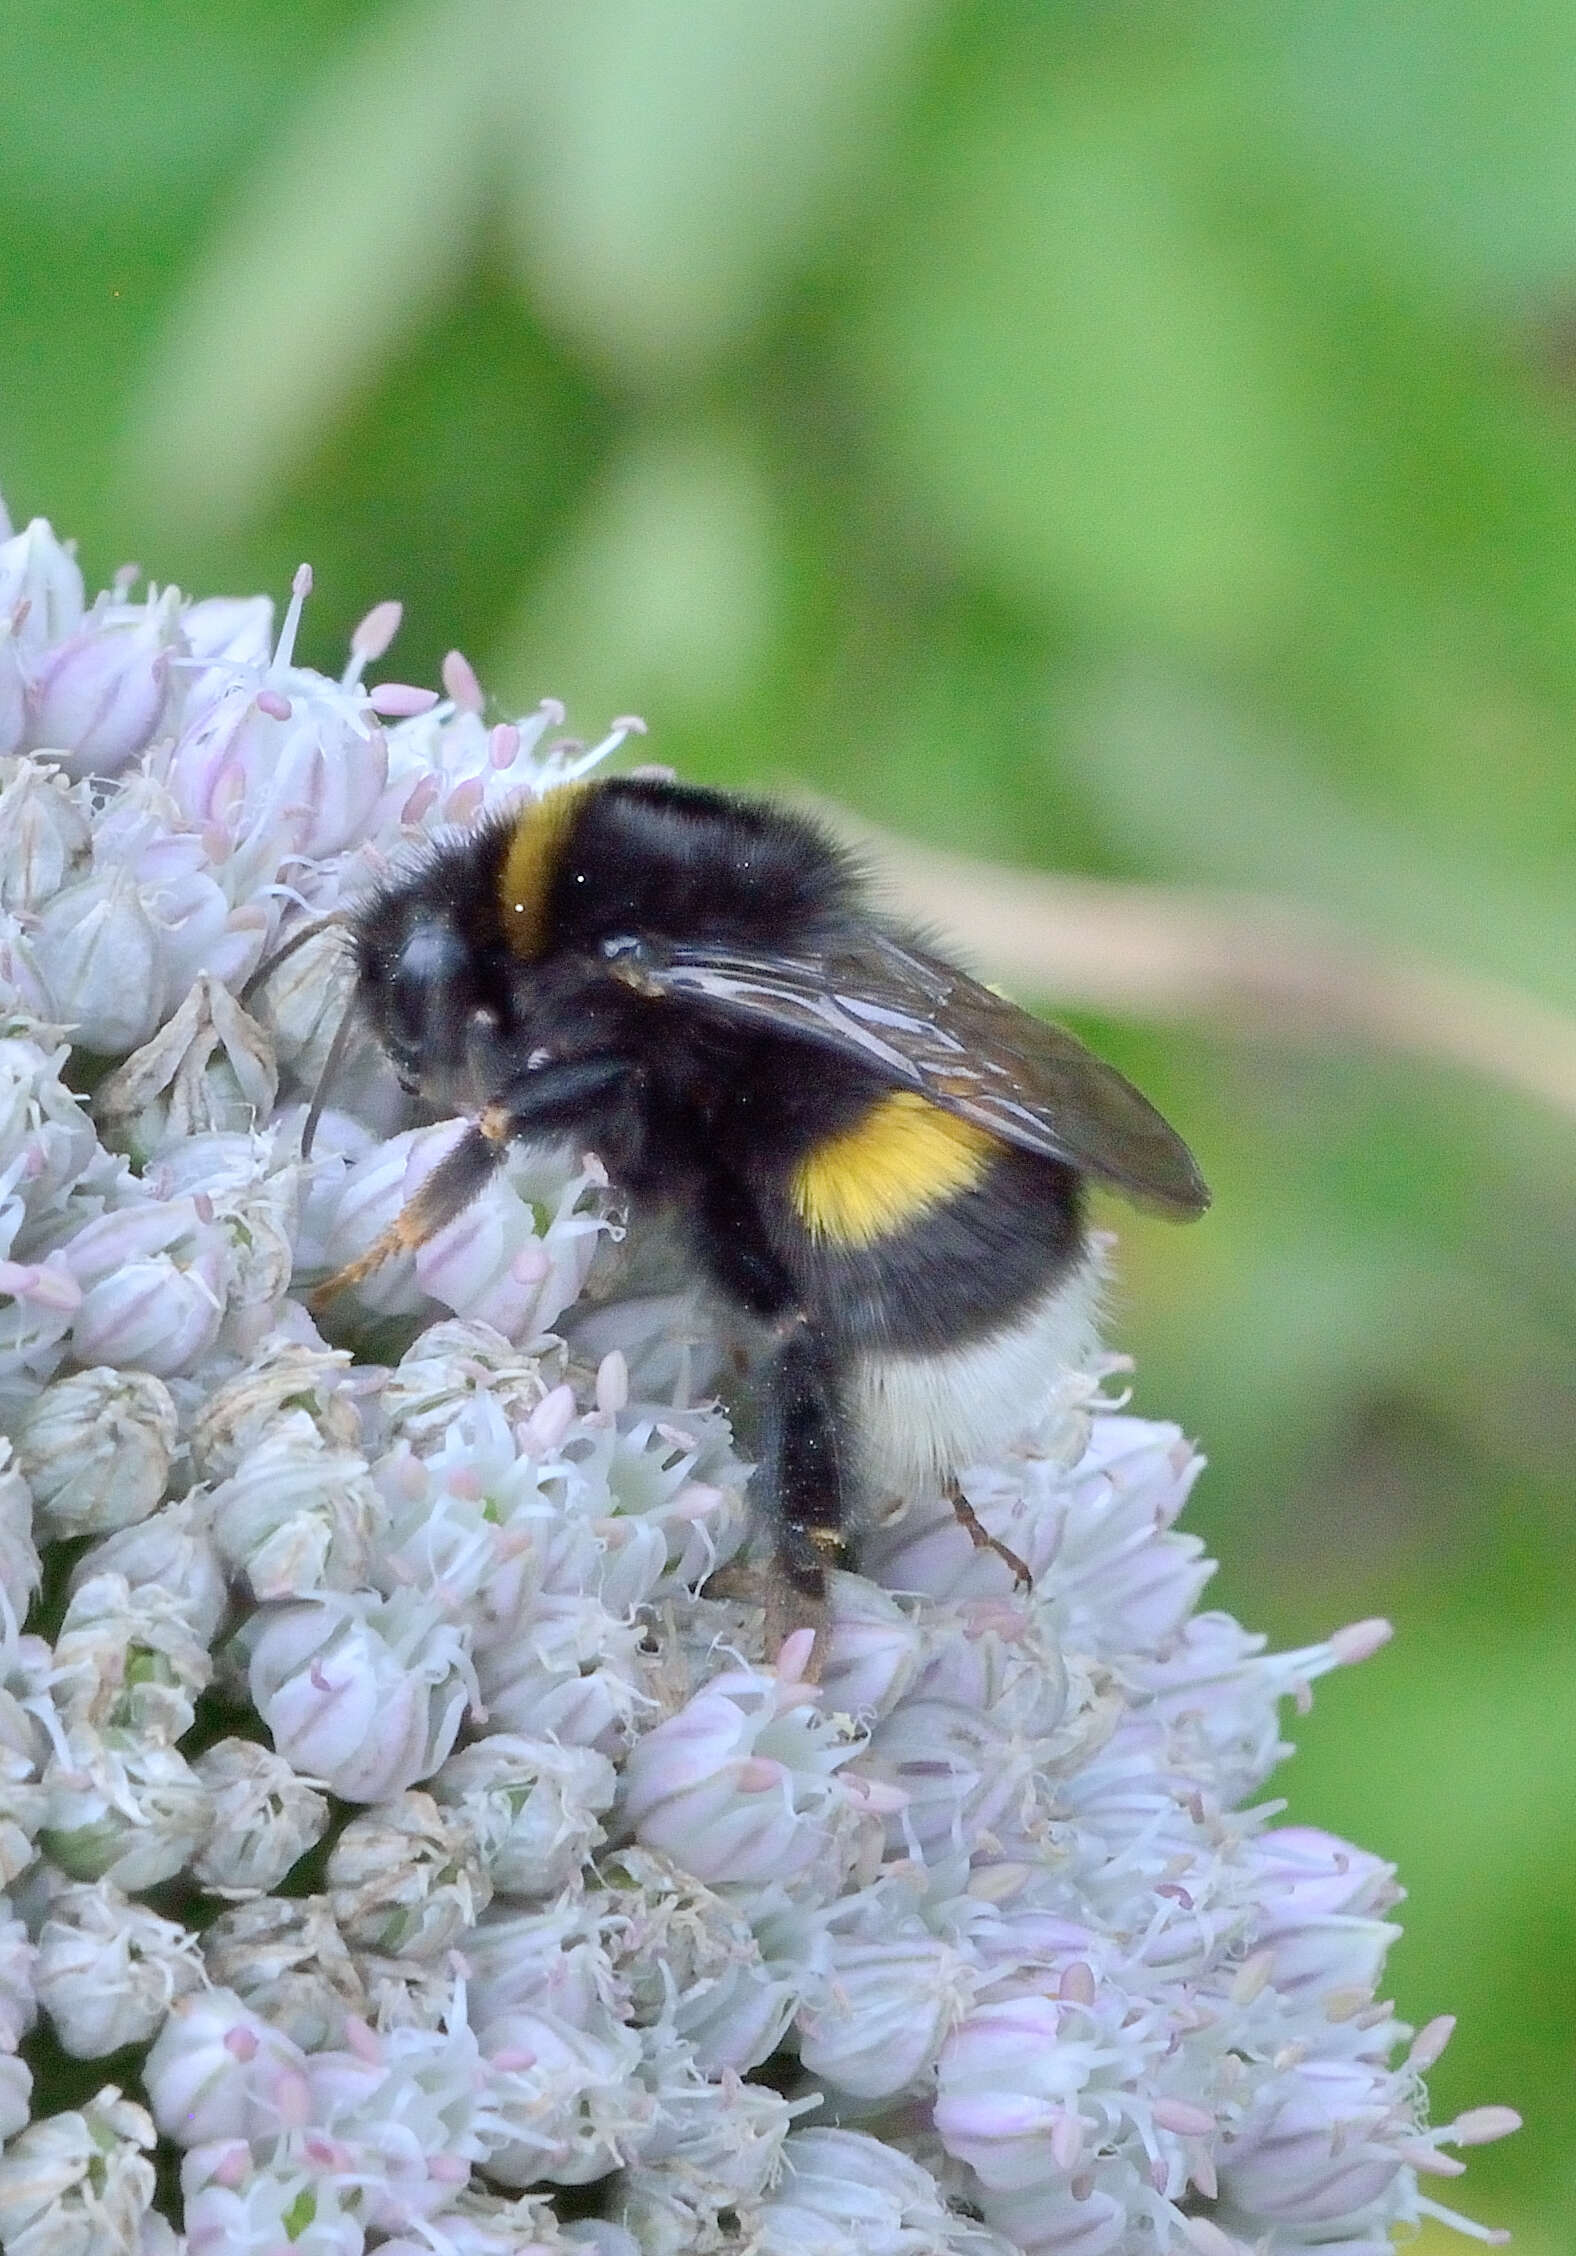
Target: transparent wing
x,y
921,1024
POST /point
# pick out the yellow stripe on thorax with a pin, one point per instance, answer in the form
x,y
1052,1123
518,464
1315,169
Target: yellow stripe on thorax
x,y
530,861
903,1158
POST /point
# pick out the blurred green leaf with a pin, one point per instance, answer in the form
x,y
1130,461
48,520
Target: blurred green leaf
x,y
670,163
1080,376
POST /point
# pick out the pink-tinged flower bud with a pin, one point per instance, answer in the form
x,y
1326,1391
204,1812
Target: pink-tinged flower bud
x,y
741,1785
532,1805
40,588
875,2023
265,1818
110,1969
1009,2082
1316,2147
292,770
153,1282
365,1694
873,1649
100,951
217,2070
406,1879
173,1549
133,1814
79,2181
44,830
129,1662
96,1449
1317,1923
1085,2220
107,692
209,1070
564,2103
285,1959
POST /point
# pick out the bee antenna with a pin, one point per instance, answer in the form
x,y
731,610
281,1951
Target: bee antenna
x,y
287,948
325,1080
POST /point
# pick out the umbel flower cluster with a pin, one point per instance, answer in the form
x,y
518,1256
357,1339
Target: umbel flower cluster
x,y
446,1867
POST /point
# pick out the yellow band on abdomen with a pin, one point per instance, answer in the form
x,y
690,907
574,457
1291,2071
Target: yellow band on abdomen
x,y
903,1158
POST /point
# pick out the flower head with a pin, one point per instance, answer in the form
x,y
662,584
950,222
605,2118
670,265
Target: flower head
x,y
399,1661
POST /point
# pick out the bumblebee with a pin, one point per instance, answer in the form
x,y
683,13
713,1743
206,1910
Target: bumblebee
x,y
878,1162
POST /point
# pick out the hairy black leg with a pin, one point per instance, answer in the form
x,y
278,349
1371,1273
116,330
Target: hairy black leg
x,y
802,1480
980,1536
802,1473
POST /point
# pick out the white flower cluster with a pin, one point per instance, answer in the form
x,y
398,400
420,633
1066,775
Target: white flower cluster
x,y
377,1778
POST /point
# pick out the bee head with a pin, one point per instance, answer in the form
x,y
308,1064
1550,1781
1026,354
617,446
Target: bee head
x,y
422,988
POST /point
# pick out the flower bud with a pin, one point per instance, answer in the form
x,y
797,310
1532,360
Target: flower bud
x,y
1008,2081
96,1448
133,1814
843,2194
532,1805
44,830
406,1879
363,1693
265,1818
101,951
283,1379
741,1785
875,2024
173,1549
567,2102
129,1662
40,587
21,1569
208,1070
217,2070
110,689
109,1969
286,1960
688,1956
568,1666
16,2093
79,2182
296,1516
153,1281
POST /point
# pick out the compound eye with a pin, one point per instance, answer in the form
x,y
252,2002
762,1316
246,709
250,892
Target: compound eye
x,y
421,986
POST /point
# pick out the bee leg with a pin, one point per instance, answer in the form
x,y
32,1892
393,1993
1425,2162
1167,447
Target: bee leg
x,y
555,1097
980,1536
447,1192
802,1479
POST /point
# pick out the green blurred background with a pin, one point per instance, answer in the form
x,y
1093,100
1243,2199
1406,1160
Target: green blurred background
x,y
1129,439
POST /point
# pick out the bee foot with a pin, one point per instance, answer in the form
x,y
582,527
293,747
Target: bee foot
x,y
980,1536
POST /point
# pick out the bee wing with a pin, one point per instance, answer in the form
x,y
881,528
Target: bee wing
x,y
921,1024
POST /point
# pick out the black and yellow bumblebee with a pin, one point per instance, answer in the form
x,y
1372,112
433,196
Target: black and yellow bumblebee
x,y
878,1162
